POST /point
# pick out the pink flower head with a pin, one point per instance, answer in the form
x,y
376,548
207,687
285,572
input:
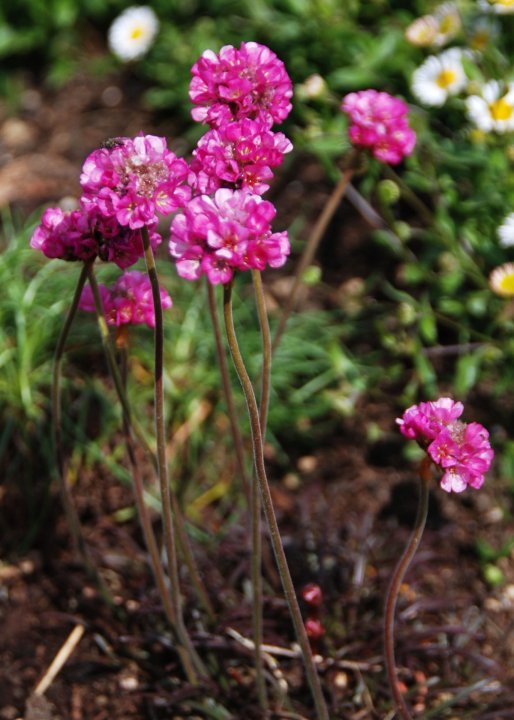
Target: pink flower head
x,y
462,450
247,83
128,302
378,121
240,154
85,234
135,181
215,236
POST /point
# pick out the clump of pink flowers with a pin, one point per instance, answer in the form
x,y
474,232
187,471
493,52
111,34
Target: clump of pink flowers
x,y
378,121
461,450
249,82
238,154
134,180
128,302
230,231
84,234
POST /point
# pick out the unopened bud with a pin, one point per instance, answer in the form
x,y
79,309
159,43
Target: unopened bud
x,y
312,595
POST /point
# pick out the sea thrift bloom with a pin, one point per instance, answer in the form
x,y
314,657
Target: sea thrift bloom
x,y
379,122
439,77
215,236
247,83
85,234
462,450
132,33
128,302
494,109
506,231
501,280
134,180
239,154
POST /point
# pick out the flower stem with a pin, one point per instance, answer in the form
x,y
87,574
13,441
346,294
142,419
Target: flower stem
x,y
255,506
70,511
258,452
310,250
394,589
227,389
191,660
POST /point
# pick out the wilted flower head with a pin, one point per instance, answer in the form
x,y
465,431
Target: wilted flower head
x,y
379,122
247,83
239,154
134,180
128,302
439,77
85,234
493,110
501,280
462,450
215,236
132,32
506,231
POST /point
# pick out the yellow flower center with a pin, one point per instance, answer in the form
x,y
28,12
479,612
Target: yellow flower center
x,y
446,78
136,33
448,24
501,109
479,40
504,3
506,285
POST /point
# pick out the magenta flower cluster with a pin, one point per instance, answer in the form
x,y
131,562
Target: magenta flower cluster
x,y
230,231
238,154
134,181
378,121
226,226
85,234
247,83
128,302
461,450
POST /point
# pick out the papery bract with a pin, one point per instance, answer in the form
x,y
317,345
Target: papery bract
x,y
249,82
230,231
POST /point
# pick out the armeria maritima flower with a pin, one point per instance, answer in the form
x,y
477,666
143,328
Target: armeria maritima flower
x,y
135,180
128,302
84,234
462,450
215,236
379,122
249,82
238,154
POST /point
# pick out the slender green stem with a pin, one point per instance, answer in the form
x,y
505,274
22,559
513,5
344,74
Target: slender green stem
x,y
227,389
142,510
310,250
70,511
255,508
191,660
394,589
258,451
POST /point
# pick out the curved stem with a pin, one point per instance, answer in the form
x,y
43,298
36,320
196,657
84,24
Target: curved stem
x,y
70,511
255,507
310,250
258,451
189,655
227,389
394,588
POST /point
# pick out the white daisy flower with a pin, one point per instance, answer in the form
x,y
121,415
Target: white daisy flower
x,y
501,280
483,33
132,33
436,29
439,77
494,109
506,231
422,31
500,7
